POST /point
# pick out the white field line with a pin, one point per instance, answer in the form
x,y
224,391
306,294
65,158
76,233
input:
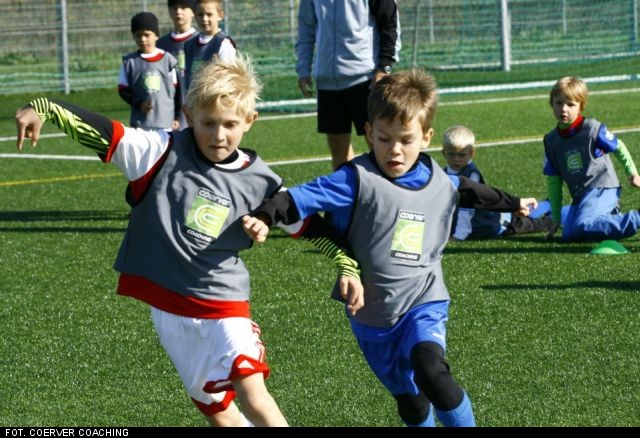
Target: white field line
x,y
309,160
509,142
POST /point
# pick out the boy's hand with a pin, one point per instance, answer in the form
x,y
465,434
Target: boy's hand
x,y
353,293
175,125
28,124
526,206
634,180
255,228
146,106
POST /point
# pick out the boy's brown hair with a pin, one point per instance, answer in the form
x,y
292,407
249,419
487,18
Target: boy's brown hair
x,y
573,87
406,94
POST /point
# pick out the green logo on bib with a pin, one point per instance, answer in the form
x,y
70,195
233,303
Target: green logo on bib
x,y
207,215
408,236
574,161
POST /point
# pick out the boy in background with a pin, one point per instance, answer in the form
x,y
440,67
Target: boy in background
x,y
577,151
394,207
210,41
182,13
458,148
148,80
180,254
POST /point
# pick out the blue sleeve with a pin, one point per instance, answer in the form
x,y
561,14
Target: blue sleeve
x,y
334,193
606,142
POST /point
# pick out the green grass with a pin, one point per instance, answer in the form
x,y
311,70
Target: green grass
x,y
540,334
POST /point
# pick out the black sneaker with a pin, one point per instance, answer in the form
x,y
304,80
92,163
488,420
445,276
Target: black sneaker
x,y
550,227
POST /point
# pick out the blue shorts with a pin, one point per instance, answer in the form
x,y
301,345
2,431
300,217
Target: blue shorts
x,y
388,350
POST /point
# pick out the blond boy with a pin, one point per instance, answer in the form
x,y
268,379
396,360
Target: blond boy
x,y
180,252
458,148
577,151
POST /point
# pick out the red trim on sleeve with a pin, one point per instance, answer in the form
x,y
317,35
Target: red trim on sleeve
x,y
116,136
140,288
139,187
302,229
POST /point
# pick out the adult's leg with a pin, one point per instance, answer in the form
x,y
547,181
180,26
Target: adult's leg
x,y
340,148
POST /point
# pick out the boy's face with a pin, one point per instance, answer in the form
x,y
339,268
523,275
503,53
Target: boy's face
x,y
145,40
458,158
565,110
396,146
218,132
182,16
208,16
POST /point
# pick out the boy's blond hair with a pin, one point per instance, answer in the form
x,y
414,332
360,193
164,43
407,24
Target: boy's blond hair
x,y
406,94
572,87
458,137
225,84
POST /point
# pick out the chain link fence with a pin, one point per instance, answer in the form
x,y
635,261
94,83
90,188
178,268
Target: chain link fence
x,y
65,45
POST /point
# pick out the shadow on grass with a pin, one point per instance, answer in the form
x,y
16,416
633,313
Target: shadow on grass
x,y
520,245
46,217
628,286
551,249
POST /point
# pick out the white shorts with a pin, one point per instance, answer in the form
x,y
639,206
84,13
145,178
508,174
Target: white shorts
x,y
209,353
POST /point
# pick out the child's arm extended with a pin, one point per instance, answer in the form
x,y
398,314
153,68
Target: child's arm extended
x,y
89,129
137,153
624,157
483,197
281,209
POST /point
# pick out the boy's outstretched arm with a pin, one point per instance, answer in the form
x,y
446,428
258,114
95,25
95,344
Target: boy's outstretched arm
x,y
89,129
483,197
281,209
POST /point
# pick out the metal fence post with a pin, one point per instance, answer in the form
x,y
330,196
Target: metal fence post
x,y
431,29
634,27
506,35
225,5
416,23
292,20
64,49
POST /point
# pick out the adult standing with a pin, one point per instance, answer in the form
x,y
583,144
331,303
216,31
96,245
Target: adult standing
x,y
356,42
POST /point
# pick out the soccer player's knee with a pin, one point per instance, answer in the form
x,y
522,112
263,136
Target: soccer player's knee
x,y
428,363
413,409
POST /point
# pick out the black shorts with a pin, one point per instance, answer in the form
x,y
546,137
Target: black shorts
x,y
338,109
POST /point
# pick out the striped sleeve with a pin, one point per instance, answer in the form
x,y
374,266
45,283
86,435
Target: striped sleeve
x,y
89,129
322,237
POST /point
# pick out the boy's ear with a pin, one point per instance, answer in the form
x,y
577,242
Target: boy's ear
x,y
251,117
368,131
473,151
187,116
426,139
